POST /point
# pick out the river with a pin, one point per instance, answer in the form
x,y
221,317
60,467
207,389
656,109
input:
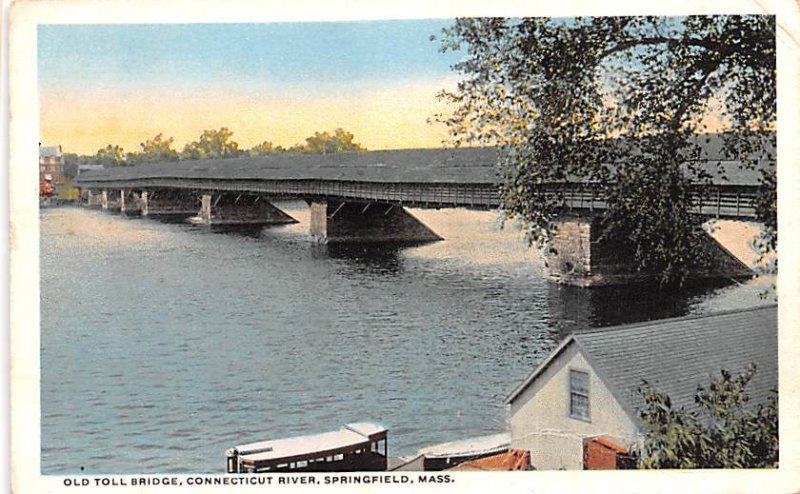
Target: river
x,y
163,344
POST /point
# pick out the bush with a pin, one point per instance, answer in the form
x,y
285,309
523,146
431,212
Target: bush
x,y
720,433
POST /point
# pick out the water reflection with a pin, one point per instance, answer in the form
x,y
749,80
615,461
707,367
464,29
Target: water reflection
x,y
576,309
374,258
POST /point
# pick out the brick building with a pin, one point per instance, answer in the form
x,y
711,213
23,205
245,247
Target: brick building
x,y
51,164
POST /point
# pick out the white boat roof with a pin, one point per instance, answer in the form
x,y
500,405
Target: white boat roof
x,y
350,435
469,447
366,429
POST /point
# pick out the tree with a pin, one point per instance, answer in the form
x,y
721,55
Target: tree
x,y
619,101
154,150
71,162
721,433
264,148
339,142
110,156
212,144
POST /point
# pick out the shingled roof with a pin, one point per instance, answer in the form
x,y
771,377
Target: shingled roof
x,y
463,165
476,165
675,355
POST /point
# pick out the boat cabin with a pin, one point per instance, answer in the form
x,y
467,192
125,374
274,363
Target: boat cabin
x,y
353,448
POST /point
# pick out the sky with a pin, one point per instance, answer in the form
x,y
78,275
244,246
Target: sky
x,y
279,82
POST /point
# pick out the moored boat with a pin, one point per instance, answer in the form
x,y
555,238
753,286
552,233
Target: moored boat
x,y
355,447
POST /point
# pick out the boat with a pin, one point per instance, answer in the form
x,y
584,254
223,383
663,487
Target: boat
x,y
355,447
448,455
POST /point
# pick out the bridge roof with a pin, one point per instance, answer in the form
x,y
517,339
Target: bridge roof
x,y
464,165
447,166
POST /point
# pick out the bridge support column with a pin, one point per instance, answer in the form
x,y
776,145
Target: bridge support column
x,y
92,199
576,256
130,202
143,205
110,200
238,209
336,221
205,209
175,203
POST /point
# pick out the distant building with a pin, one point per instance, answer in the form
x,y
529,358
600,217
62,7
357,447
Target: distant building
x,y
580,406
51,164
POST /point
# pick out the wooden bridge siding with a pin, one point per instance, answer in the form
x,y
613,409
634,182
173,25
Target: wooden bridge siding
x,y
729,201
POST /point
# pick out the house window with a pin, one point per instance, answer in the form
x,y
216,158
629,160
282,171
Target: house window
x,y
579,395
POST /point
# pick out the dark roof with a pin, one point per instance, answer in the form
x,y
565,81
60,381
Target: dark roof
x,y
462,165
677,355
440,165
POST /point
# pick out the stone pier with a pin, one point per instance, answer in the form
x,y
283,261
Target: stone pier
x,y
336,221
577,256
110,200
92,199
168,202
238,209
130,202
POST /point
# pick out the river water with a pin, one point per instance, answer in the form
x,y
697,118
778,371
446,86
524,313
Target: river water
x,y
163,344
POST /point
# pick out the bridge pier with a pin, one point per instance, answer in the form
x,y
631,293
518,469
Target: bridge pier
x,y
577,256
168,203
338,221
91,198
110,200
238,209
129,202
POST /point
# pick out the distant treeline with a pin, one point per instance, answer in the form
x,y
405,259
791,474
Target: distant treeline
x,y
211,144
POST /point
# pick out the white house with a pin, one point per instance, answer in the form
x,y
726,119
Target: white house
x,y
589,386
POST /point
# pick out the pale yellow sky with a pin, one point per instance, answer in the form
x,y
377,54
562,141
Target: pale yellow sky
x,y
385,118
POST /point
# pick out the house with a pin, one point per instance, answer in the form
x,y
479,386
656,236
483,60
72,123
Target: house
x,y
51,164
584,398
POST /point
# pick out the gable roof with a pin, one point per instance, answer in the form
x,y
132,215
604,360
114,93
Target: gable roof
x,y
50,151
676,355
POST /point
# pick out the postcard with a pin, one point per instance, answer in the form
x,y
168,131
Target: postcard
x,y
412,248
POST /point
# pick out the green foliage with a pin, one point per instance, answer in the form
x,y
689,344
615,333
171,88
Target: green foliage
x,y
154,150
264,148
71,162
721,433
212,144
325,143
767,209
619,101
110,156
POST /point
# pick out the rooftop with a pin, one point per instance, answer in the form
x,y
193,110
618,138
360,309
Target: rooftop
x,y
469,447
350,435
676,355
49,151
440,165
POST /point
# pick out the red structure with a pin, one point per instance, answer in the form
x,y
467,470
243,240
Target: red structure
x,y
602,454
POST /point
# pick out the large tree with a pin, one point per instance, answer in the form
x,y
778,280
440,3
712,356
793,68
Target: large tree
x,y
110,156
154,150
325,143
212,144
620,101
